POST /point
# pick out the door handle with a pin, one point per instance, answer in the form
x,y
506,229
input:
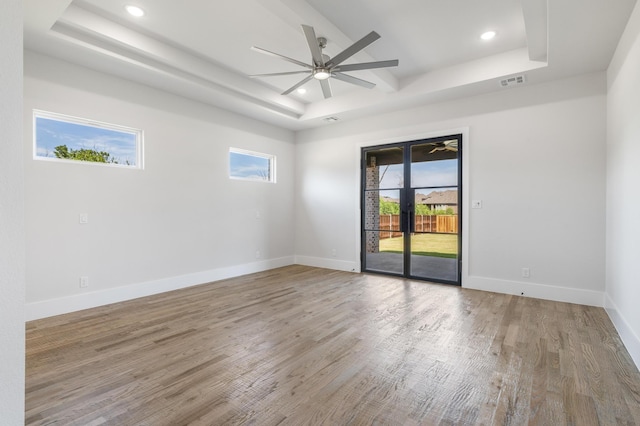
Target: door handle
x,y
405,221
410,224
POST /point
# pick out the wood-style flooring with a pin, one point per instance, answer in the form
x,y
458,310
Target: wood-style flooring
x,y
308,346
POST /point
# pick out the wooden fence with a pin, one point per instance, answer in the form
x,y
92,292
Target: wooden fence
x,y
443,224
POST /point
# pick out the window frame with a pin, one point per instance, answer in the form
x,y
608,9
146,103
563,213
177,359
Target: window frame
x,y
138,133
270,157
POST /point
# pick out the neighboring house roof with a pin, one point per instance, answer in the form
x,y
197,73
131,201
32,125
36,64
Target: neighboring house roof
x,y
448,197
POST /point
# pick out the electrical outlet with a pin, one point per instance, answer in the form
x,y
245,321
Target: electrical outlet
x,y
476,204
526,272
83,218
334,253
84,282
257,254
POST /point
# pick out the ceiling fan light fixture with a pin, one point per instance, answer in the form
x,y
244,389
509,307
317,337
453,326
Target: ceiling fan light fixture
x,y
134,10
321,73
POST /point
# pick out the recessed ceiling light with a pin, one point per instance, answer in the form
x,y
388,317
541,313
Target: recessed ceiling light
x,y
302,90
488,35
134,10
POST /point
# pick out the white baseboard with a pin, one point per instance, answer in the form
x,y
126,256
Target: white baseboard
x,y
77,302
321,262
627,334
538,291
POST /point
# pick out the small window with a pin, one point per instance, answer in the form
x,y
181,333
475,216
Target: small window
x,y
69,139
251,165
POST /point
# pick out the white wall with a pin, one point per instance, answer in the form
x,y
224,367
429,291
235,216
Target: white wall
x,y
180,221
12,255
623,181
535,156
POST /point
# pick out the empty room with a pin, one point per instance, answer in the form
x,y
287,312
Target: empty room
x,y
286,212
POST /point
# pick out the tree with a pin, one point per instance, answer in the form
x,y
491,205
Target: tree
x,y
389,207
83,154
392,207
423,209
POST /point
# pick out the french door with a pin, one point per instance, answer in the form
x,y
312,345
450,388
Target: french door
x,y
411,209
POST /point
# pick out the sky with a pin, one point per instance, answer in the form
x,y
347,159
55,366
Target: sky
x,y
248,166
51,133
424,175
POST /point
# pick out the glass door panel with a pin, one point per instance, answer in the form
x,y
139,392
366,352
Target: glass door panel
x,y
434,228
383,238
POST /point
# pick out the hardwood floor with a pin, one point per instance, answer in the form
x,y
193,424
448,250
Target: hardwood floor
x,y
300,345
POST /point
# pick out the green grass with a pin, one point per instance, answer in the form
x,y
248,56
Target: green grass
x,y
435,245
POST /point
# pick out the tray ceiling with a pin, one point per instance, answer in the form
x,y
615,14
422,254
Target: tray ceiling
x,y
201,49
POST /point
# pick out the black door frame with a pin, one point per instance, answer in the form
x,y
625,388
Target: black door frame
x,y
407,217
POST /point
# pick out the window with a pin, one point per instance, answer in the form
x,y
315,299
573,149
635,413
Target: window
x,y
249,165
69,139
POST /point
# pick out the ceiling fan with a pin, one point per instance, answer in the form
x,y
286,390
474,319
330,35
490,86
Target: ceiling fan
x,y
451,145
323,67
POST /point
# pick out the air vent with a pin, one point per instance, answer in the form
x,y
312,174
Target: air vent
x,y
331,119
513,81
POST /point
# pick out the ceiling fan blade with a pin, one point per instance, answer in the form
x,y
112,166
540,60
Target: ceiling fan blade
x,y
277,55
367,65
326,88
300,83
353,49
348,79
278,73
312,41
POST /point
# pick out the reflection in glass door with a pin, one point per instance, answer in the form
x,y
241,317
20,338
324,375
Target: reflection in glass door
x,y
411,209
